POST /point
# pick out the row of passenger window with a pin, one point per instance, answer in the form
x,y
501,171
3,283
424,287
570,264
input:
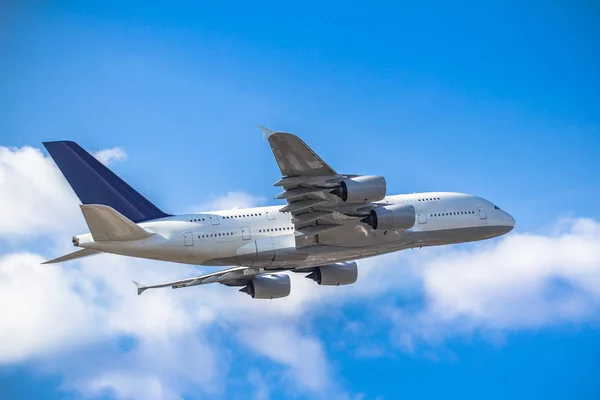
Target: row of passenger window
x,y
215,235
229,217
452,213
241,216
410,201
231,233
288,228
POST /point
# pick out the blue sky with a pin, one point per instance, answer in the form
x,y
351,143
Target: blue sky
x,y
501,101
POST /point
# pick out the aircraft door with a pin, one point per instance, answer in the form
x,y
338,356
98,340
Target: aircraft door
x,y
482,213
214,219
422,218
271,214
246,232
188,238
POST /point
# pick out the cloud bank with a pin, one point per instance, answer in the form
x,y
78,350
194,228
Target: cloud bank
x,y
169,344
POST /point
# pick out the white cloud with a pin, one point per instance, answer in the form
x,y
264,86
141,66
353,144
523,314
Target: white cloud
x,y
228,201
110,156
33,296
523,281
514,284
34,199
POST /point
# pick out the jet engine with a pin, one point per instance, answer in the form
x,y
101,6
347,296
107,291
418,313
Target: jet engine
x,y
392,217
343,273
268,286
361,189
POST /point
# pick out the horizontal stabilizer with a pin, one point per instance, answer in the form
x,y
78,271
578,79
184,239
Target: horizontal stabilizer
x,y
74,255
106,224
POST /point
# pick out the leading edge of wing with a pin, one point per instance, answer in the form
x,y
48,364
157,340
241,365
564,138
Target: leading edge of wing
x,y
203,279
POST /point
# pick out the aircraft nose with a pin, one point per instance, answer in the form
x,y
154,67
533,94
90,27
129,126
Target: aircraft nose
x,y
509,220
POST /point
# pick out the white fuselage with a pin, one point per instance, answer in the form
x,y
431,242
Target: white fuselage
x,y
264,236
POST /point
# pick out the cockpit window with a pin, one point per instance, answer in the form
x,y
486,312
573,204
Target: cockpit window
x,y
496,207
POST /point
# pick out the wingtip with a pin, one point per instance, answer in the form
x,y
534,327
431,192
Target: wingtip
x,y
140,287
54,142
266,131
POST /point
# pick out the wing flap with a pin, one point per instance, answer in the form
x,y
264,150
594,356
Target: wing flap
x,y
315,229
310,217
293,193
301,205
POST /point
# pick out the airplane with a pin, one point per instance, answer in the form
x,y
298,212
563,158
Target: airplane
x,y
329,221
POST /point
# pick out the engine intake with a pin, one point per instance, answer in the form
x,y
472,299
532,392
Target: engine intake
x,y
343,273
268,286
393,217
361,189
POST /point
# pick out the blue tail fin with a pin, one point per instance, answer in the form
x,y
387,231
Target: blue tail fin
x,y
93,183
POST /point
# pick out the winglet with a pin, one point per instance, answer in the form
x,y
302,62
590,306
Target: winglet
x,y
140,287
266,132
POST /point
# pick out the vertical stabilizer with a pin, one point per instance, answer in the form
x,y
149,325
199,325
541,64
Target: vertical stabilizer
x,y
94,183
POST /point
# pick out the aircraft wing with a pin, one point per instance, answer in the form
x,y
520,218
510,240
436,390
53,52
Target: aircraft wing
x,y
235,276
309,184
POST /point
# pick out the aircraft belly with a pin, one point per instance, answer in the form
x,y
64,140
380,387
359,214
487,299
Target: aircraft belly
x,y
319,254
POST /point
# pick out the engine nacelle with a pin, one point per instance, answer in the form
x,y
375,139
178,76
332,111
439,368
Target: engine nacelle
x,y
268,286
361,189
343,273
392,217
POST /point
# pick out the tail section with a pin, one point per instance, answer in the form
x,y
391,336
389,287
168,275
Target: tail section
x,y
95,184
107,224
